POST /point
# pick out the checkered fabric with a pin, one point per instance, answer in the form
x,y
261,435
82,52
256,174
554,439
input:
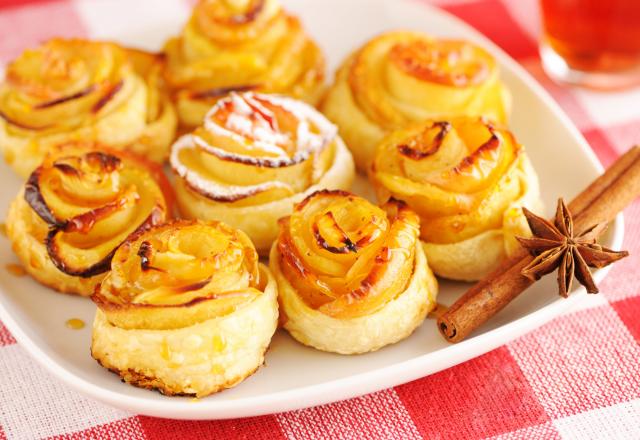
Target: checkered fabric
x,y
577,377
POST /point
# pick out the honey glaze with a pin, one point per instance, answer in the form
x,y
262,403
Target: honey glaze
x,y
3,229
74,324
438,311
16,270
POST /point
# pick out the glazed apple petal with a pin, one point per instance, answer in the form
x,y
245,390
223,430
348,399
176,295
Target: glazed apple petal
x,y
402,77
179,274
345,256
62,82
92,202
459,175
241,46
74,90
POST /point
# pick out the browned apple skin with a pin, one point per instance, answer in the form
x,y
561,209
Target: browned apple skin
x,y
33,196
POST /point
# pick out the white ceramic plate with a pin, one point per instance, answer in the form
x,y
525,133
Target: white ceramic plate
x,y
295,376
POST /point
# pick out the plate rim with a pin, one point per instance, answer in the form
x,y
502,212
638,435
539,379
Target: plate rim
x,y
361,383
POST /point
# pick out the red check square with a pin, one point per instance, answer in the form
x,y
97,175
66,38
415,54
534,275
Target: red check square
x,y
494,20
127,428
29,25
485,396
255,428
629,311
6,338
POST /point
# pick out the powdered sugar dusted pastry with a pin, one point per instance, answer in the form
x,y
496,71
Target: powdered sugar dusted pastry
x,y
253,158
352,276
186,309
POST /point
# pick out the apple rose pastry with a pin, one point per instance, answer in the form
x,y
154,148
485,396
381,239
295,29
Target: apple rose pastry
x,y
254,157
403,77
468,180
67,90
74,211
241,45
352,277
186,309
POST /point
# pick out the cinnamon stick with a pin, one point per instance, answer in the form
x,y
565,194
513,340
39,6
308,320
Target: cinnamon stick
x,y
595,189
599,203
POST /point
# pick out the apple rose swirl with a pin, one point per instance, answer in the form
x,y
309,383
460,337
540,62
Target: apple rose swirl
x,y
352,276
69,90
74,211
402,77
467,179
241,45
254,157
186,309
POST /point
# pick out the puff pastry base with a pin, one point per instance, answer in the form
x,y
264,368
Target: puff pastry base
x,y
197,360
476,257
394,322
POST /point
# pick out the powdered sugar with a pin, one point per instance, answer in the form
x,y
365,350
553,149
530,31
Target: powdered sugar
x,y
247,124
254,126
209,188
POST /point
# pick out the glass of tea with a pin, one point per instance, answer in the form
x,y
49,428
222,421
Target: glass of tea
x,y
594,43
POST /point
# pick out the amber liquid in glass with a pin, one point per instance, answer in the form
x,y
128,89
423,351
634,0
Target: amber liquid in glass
x,y
600,36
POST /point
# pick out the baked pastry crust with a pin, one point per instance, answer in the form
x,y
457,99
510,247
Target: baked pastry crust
x,y
468,180
253,159
70,90
352,277
76,209
187,309
403,77
241,45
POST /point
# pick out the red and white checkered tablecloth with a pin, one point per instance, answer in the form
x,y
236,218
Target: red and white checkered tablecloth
x,y
577,377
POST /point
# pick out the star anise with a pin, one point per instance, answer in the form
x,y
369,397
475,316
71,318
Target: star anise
x,y
555,247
